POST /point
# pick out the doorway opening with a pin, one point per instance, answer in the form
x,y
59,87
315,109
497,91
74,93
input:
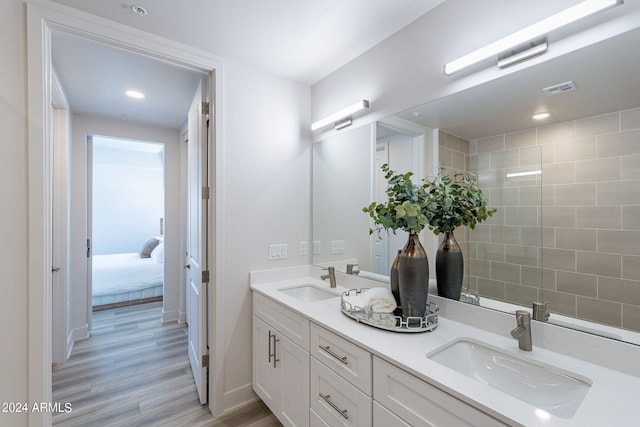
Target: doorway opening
x,y
43,23
127,203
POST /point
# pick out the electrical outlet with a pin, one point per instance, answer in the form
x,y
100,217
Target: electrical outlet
x,y
304,248
337,247
316,247
278,251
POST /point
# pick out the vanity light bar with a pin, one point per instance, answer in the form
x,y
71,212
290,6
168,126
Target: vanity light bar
x,y
528,173
553,22
523,55
345,112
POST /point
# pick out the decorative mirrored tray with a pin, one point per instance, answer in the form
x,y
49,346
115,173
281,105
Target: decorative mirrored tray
x,y
388,321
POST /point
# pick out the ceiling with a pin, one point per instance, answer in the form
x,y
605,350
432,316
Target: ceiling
x,y
606,74
95,76
299,40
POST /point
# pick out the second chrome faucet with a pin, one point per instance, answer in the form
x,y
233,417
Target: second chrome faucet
x,y
522,332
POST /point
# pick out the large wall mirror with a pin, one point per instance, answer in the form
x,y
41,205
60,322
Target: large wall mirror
x,y
567,188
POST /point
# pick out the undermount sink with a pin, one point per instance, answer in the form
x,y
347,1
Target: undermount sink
x,y
308,293
556,392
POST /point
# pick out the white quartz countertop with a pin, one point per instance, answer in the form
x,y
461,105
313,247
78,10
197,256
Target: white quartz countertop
x,y
611,400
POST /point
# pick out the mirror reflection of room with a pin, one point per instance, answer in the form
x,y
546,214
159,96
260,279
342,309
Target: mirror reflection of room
x,y
565,187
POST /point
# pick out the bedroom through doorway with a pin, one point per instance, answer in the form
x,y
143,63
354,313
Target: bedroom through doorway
x,y
126,221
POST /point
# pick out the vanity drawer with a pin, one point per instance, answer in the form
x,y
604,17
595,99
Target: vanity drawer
x,y
335,401
345,358
288,323
382,417
421,404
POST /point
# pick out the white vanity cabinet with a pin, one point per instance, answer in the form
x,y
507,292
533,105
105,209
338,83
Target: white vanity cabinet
x,y
418,403
341,381
281,361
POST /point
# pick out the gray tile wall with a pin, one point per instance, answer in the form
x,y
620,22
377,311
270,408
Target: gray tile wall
x,y
571,235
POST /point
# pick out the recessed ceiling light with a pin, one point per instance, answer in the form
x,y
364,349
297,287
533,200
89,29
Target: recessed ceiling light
x,y
134,94
540,116
138,10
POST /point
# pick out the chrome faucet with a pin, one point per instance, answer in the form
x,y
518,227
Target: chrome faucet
x,y
331,276
353,269
523,331
541,311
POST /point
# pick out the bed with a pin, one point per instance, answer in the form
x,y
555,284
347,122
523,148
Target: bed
x,y
119,278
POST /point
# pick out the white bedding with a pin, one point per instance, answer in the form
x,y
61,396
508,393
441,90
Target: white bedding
x,y
120,273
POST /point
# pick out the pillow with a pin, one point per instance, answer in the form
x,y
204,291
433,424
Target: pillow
x,y
158,253
148,247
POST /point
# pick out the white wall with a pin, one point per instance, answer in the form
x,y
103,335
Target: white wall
x,y
405,70
86,125
128,199
266,183
14,125
264,176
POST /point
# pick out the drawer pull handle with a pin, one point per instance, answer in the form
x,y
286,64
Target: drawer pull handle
x,y
327,398
343,359
272,353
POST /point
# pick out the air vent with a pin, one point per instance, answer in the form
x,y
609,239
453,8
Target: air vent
x,y
560,88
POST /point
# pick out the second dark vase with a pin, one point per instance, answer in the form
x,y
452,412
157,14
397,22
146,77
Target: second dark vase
x,y
395,285
413,278
449,267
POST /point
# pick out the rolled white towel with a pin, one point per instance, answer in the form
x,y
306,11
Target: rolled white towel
x,y
380,300
354,302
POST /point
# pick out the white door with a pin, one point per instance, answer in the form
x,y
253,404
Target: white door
x,y
381,252
197,242
59,244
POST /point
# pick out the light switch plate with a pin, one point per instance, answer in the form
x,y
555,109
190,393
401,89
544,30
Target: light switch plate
x,y
278,251
304,248
316,247
337,247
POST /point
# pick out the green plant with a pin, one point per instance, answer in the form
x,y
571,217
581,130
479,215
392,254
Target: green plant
x,y
405,208
441,203
455,202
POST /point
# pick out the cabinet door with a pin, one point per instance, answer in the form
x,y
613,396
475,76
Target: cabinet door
x,y
266,378
382,417
294,367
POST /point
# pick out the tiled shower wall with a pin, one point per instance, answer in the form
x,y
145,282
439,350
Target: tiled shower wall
x,y
570,235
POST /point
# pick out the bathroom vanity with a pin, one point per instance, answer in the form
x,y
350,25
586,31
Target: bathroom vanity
x,y
312,365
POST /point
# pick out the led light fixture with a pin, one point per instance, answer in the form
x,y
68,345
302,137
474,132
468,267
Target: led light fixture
x,y
560,19
541,115
344,113
134,94
519,55
528,173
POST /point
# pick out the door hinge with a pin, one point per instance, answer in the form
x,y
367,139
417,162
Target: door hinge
x,y
205,107
205,360
205,276
206,192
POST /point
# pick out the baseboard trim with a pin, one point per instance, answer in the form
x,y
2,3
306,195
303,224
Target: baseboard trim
x,y
76,334
238,398
126,303
170,316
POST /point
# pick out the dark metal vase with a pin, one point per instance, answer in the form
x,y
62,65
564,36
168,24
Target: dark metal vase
x,y
393,279
449,267
413,278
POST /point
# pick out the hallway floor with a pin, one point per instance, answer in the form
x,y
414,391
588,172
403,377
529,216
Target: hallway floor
x,y
135,370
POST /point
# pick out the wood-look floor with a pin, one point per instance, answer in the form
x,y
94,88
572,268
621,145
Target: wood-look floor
x,y
134,371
